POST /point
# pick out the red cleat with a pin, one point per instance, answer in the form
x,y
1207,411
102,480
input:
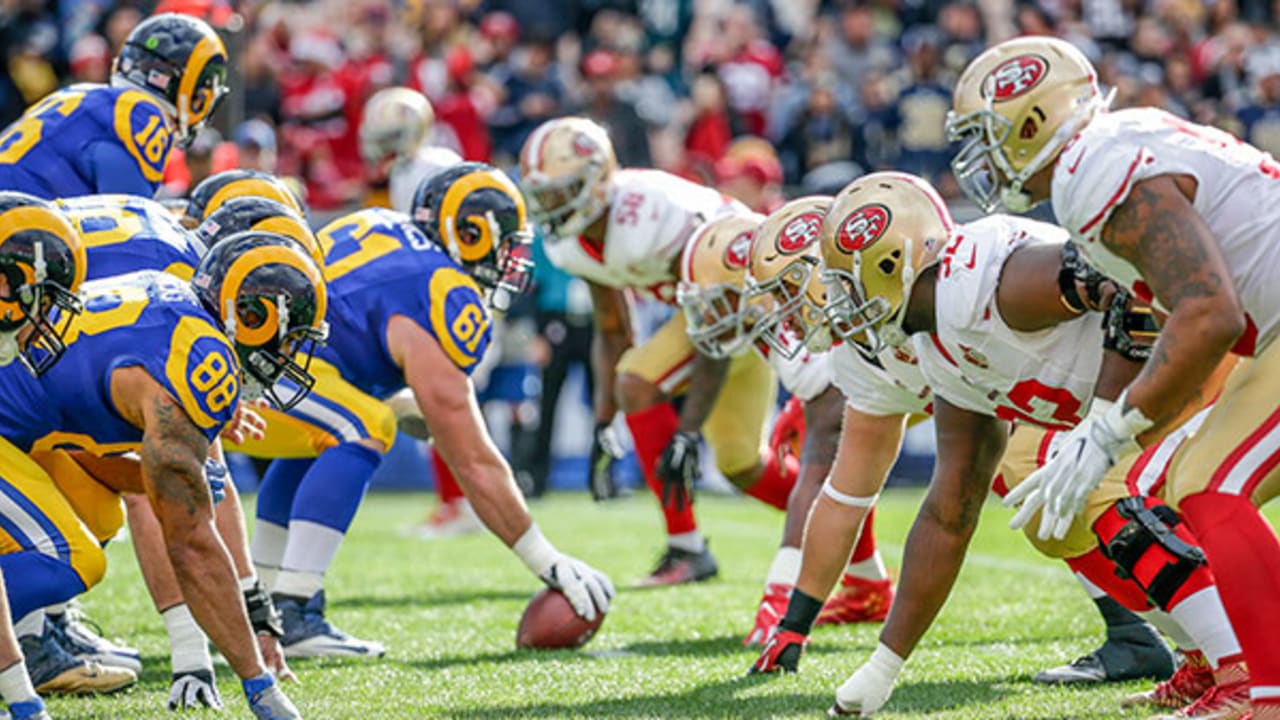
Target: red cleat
x,y
1192,679
1229,701
772,607
857,600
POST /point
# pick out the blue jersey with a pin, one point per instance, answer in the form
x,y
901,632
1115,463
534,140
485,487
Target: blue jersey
x,y
377,265
150,320
87,140
125,233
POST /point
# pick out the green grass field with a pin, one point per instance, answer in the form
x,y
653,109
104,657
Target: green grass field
x,y
447,611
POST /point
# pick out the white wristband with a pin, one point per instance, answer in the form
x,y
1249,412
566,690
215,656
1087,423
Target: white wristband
x,y
886,662
535,551
848,500
1123,424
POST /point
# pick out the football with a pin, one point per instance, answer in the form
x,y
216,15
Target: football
x,y
549,623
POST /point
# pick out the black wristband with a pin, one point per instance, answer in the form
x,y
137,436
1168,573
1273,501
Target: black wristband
x,y
802,612
263,615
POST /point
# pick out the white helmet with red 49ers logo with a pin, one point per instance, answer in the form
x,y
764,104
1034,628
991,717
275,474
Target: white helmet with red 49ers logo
x,y
718,319
784,265
565,167
882,231
1015,107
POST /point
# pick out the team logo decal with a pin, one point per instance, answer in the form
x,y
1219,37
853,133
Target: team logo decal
x,y
800,233
1016,76
738,254
583,145
863,227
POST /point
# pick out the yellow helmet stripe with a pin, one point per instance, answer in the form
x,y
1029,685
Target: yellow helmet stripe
x,y
201,54
461,189
20,219
255,258
291,228
250,187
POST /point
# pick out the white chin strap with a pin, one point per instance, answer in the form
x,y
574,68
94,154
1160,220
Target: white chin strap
x,y
8,348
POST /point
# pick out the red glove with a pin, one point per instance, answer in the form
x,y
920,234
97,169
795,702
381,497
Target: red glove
x,y
788,429
781,653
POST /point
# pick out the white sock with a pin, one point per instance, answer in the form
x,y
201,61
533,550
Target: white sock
x,y
1205,620
690,542
267,549
870,569
785,568
311,548
15,684
298,583
31,624
188,647
1165,623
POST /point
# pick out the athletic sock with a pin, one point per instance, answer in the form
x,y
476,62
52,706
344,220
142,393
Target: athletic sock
x,y
690,542
1203,617
30,625
271,522
15,685
1245,556
447,488
267,549
773,487
785,568
188,646
651,431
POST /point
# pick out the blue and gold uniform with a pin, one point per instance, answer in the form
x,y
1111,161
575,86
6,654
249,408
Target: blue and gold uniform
x,y
86,140
149,320
377,265
125,233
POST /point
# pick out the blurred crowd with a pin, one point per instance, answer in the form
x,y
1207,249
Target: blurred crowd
x,y
752,95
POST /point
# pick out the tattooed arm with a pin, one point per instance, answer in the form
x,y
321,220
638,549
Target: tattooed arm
x,y
612,338
868,446
1159,231
822,417
969,448
173,454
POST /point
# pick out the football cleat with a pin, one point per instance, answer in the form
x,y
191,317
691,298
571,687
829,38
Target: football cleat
x,y
1229,701
681,566
307,634
447,520
1192,679
772,607
1132,651
857,600
54,671
82,638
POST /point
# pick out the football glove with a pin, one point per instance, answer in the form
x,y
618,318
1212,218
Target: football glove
x,y
605,448
679,468
781,653
787,428
267,700
589,590
217,474
194,689
869,687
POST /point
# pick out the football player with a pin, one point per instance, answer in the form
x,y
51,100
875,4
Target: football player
x,y
395,130
166,83
623,230
1024,355
721,321
410,307
152,365
1184,217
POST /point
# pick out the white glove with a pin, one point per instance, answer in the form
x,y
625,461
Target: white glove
x,y
588,589
868,689
1083,457
194,689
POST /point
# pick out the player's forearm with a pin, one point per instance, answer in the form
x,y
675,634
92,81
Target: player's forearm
x,y
828,539
817,455
606,349
491,489
1114,375
1191,346
705,381
931,561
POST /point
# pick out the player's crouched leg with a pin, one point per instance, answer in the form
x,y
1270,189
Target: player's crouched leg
x,y
45,543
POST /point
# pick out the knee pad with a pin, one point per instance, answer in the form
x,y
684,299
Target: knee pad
x,y
1149,544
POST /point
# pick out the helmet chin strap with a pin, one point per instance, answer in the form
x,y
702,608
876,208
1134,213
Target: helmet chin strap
x,y
9,347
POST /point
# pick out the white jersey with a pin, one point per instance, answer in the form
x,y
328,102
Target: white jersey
x,y
805,375
406,175
651,215
893,385
1237,195
977,362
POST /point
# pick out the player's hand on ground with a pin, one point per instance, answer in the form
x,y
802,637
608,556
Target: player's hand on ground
x,y
605,448
869,687
679,468
194,689
781,653
267,700
247,424
788,426
273,657
589,591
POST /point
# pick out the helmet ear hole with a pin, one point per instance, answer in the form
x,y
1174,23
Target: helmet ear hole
x,y
1029,129
887,266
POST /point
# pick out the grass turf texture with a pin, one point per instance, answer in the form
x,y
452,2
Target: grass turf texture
x,y
448,610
